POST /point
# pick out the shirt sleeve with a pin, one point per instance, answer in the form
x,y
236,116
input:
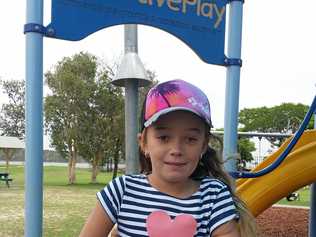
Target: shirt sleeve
x,y
223,209
111,197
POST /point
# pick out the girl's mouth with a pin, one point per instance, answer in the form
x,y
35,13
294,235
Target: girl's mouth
x,y
173,163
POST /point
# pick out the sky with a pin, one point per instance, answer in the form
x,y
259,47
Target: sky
x,y
278,53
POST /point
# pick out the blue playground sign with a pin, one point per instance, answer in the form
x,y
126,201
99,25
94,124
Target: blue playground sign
x,y
198,23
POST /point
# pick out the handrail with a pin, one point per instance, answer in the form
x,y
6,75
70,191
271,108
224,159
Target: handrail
x,y
287,150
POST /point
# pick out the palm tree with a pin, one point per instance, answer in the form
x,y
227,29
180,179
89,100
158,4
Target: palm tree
x,y
164,89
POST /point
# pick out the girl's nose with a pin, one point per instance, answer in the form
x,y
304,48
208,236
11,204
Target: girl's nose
x,y
176,148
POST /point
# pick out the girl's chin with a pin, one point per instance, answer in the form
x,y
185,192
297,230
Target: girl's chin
x,y
173,177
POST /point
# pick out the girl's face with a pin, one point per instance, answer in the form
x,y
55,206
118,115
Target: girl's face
x,y
174,144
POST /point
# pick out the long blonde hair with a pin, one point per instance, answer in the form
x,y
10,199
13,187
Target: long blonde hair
x,y
214,164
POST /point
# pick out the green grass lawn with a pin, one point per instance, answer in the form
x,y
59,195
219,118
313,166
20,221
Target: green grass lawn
x,y
66,207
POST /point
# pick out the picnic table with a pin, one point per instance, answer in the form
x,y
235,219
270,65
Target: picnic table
x,y
4,176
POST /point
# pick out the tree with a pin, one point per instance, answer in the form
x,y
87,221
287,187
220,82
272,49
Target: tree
x,y
84,114
284,118
71,84
245,147
103,125
12,115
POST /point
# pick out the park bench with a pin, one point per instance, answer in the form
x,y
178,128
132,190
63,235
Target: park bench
x,y
4,176
293,197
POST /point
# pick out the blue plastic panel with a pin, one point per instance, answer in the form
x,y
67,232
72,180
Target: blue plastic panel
x,y
199,23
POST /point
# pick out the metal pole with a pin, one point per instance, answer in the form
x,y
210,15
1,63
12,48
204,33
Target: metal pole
x,y
312,212
232,85
260,139
34,123
131,102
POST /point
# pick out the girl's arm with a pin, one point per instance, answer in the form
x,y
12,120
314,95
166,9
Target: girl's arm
x,y
229,229
98,223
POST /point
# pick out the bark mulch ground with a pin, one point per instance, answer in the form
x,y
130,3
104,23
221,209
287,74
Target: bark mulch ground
x,y
283,222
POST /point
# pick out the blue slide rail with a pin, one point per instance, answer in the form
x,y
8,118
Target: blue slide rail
x,y
279,160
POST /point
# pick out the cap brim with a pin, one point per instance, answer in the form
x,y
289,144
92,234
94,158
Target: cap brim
x,y
155,117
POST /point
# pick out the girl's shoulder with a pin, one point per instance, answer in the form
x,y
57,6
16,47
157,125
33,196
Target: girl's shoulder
x,y
120,183
213,183
133,178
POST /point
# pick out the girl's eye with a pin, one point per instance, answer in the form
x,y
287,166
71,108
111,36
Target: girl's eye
x,y
163,138
191,140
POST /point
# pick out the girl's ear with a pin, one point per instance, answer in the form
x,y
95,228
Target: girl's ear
x,y
141,141
139,137
205,145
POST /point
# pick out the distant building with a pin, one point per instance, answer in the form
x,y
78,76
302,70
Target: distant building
x,y
9,146
11,142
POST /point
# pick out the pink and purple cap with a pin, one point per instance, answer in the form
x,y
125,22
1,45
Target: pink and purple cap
x,y
176,95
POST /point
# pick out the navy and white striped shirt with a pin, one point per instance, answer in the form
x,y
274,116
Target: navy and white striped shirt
x,y
129,199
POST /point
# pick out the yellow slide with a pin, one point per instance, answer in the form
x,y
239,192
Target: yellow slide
x,y
297,170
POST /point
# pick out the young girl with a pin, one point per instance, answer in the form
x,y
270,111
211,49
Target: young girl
x,y
182,189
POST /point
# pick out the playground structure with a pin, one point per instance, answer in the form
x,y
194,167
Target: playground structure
x,y
259,193
296,171
288,169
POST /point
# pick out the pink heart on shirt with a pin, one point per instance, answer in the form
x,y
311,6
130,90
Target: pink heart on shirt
x,y
159,224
